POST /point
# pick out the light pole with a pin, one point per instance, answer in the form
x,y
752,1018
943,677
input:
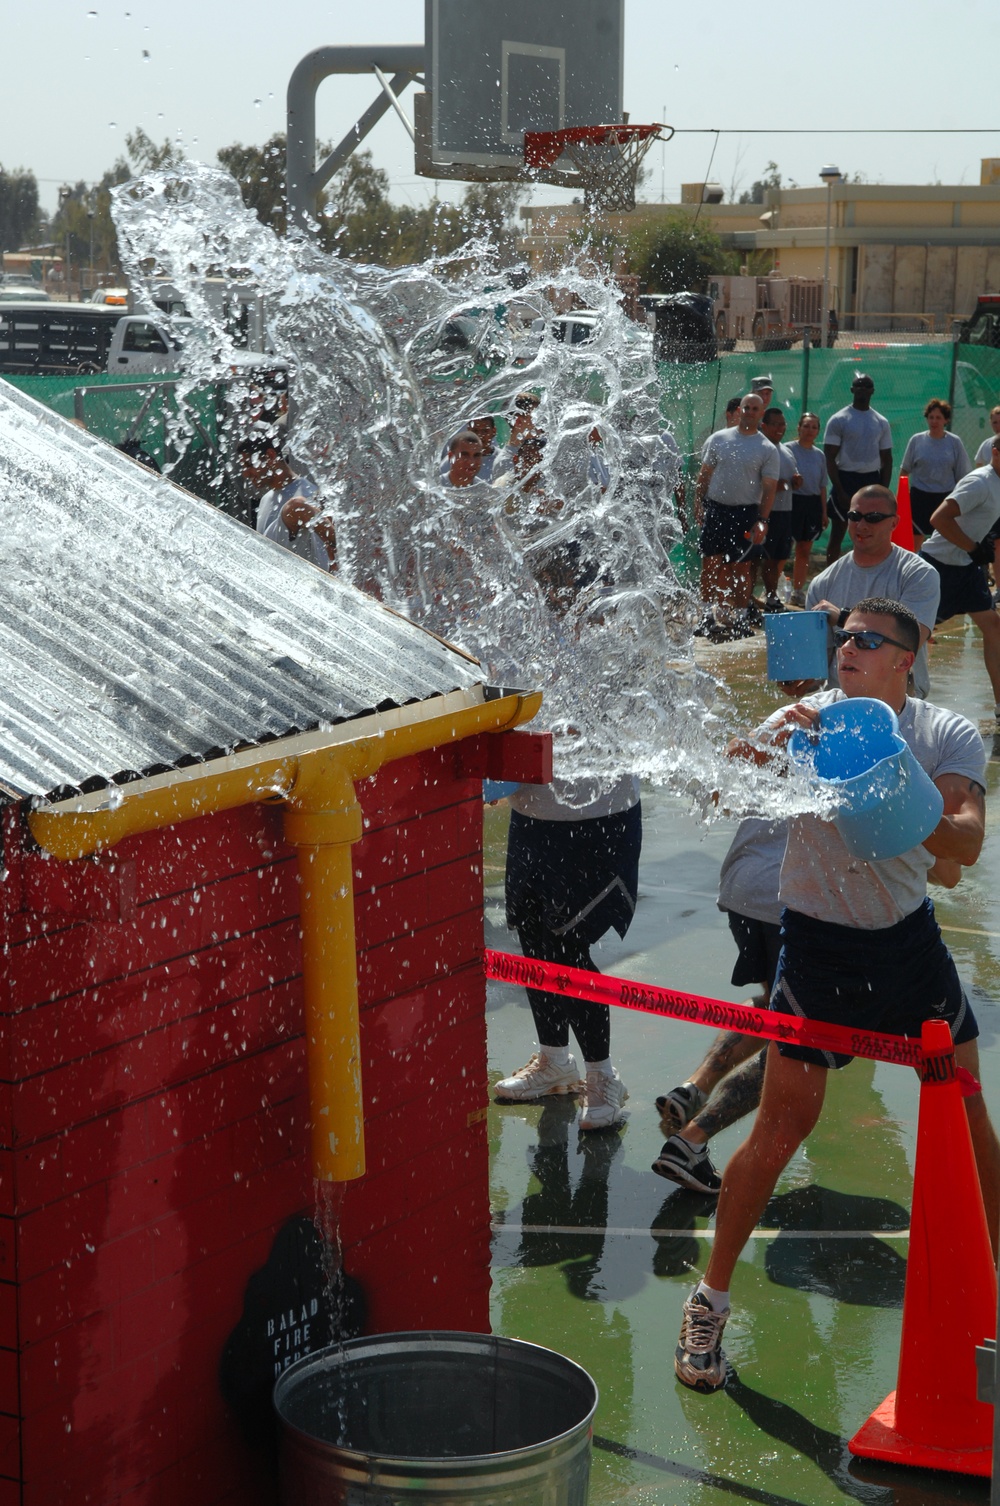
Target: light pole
x,y
830,176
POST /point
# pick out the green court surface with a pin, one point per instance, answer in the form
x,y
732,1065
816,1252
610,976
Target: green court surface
x,y
594,1255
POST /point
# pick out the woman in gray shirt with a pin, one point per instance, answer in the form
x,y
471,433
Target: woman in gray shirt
x,y
934,460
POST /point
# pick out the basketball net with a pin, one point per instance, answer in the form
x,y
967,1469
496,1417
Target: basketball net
x,y
606,158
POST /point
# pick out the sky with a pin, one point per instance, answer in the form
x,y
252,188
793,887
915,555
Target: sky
x,y
207,73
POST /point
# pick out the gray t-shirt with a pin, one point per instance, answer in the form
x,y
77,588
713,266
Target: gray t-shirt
x,y
741,463
978,498
934,465
861,434
822,878
985,452
902,577
748,878
575,799
812,468
786,470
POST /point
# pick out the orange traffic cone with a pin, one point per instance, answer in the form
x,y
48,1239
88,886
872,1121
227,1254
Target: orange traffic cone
x,y
933,1419
902,534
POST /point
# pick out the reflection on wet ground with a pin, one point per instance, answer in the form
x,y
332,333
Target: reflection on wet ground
x,y
594,1255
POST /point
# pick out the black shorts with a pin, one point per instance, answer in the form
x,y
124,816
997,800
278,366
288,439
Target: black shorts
x,y
726,531
778,543
759,943
890,980
963,589
807,518
580,876
851,481
922,504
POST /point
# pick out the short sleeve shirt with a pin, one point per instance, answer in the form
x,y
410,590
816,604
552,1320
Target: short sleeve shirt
x,y
902,577
787,469
985,452
748,878
978,498
934,465
820,877
812,468
861,434
741,463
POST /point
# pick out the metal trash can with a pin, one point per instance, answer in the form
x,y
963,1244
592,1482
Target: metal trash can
x,y
454,1418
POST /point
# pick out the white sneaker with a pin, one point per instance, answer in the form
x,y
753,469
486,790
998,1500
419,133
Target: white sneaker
x,y
603,1100
538,1079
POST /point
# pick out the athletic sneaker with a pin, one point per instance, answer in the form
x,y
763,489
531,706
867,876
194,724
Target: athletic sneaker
x,y
681,1104
699,1360
797,599
538,1079
774,604
603,1100
690,1165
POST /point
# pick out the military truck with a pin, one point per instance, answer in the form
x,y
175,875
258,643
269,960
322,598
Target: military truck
x,y
772,311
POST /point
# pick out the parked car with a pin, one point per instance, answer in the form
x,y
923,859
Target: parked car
x,y
983,325
19,294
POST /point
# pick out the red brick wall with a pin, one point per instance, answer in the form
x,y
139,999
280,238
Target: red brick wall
x,y
153,1125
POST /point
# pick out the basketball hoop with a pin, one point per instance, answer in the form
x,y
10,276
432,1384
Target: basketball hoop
x,y
607,159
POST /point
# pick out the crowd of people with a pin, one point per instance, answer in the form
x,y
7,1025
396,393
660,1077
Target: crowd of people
x,y
818,932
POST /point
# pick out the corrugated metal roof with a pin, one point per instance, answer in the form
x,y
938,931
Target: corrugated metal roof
x,y
140,626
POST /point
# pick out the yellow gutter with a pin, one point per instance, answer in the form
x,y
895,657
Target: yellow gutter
x,y
313,774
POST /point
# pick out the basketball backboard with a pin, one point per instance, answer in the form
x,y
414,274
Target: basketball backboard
x,y
498,68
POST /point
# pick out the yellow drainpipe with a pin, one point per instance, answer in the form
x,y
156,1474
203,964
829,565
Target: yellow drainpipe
x,y
313,774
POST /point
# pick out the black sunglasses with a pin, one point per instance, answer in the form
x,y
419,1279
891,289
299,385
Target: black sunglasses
x,y
868,517
866,639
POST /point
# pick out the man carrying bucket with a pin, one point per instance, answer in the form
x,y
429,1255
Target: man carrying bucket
x,y
861,948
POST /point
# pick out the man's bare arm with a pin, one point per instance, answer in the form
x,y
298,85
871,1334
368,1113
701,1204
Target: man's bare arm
x,y
959,833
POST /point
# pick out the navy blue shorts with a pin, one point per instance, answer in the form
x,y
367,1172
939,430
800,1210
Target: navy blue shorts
x,y
963,589
922,505
580,876
890,980
726,531
851,481
807,518
759,943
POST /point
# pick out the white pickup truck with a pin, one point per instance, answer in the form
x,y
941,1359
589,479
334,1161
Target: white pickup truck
x,y
141,345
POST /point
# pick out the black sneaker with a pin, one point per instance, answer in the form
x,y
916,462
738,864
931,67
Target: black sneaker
x,y
699,1359
774,604
688,1165
680,1105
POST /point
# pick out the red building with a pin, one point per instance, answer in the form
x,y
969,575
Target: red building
x,y
186,713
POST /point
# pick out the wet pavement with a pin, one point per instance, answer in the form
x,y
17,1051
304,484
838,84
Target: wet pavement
x,y
594,1255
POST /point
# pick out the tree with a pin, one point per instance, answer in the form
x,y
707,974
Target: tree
x,y
147,157
676,254
260,172
771,179
18,207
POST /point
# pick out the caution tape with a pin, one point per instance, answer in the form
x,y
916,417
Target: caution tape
x,y
600,988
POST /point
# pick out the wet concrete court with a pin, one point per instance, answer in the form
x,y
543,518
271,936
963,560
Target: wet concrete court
x,y
593,1254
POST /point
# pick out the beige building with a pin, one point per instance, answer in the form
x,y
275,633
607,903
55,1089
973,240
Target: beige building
x,y
895,251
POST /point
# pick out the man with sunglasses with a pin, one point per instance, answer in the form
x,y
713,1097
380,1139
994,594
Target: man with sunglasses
x,y
860,948
961,524
875,567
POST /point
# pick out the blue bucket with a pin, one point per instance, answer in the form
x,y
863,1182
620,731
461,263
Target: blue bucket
x,y
888,803
796,645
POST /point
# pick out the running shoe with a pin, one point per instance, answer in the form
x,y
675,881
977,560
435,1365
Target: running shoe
x,y
688,1165
537,1079
681,1104
603,1101
699,1359
797,599
774,604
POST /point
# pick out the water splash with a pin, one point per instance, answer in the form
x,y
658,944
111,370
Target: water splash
x,y
567,587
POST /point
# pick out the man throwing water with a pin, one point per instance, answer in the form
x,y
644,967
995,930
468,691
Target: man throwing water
x,y
861,948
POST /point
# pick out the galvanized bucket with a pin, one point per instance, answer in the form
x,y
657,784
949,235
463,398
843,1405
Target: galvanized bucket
x,y
459,1419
